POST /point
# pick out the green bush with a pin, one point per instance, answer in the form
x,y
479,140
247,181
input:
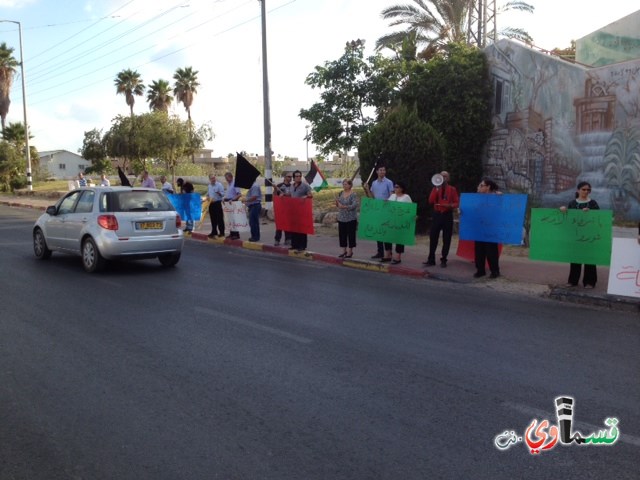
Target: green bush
x,y
411,150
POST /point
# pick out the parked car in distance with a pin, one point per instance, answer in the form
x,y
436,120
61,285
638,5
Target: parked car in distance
x,y
109,223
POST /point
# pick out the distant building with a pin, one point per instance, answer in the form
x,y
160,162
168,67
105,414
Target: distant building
x,y
62,164
204,157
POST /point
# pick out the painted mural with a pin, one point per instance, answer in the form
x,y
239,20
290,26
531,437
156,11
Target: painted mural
x,y
557,123
615,43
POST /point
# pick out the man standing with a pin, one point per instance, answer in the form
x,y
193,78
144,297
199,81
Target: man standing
x,y
299,190
444,200
215,194
381,189
165,186
284,190
104,181
147,181
231,195
82,182
254,205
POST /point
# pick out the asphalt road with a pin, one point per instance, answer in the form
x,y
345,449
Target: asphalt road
x,y
245,365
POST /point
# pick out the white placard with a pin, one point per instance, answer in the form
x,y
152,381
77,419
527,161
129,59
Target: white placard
x,y
624,272
235,217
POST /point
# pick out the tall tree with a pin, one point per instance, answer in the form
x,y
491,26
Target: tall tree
x,y
339,119
185,87
159,96
8,64
432,22
11,167
15,134
129,83
453,93
93,149
435,23
411,149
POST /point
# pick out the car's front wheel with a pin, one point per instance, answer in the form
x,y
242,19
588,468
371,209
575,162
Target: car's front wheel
x,y
92,261
40,245
169,260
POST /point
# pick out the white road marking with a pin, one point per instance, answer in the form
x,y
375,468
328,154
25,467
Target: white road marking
x,y
249,323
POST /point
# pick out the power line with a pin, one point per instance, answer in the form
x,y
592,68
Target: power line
x,y
122,59
63,67
78,33
156,59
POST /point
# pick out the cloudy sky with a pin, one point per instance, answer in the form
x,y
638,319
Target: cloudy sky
x,y
74,48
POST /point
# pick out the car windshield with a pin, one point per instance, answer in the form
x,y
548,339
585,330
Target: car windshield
x,y
135,201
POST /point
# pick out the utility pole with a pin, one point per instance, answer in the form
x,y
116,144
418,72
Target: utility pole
x,y
267,114
24,106
482,23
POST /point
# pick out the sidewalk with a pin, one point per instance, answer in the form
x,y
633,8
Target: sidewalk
x,y
518,273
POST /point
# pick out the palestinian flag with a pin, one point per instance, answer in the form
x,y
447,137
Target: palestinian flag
x,y
315,178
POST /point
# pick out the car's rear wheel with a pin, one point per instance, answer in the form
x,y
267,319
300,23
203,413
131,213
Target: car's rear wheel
x,y
92,261
40,245
169,260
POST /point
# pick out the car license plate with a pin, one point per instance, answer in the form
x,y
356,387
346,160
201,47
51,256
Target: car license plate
x,y
149,225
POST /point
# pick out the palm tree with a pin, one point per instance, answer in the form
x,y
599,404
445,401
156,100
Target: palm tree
x,y
129,83
159,96
439,22
185,87
14,133
8,65
431,22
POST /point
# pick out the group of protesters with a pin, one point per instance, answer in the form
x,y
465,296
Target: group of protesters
x,y
443,198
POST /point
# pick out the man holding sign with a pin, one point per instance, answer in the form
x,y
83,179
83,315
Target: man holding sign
x,y
381,189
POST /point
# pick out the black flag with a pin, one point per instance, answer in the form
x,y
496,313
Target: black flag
x,y
124,181
246,173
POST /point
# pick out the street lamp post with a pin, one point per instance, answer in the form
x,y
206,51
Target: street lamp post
x,y
306,137
266,112
24,105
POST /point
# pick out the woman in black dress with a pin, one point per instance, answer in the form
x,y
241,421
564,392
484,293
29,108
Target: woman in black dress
x,y
582,202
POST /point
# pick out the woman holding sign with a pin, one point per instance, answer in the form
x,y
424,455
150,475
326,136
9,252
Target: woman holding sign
x,y
398,196
487,251
584,203
347,203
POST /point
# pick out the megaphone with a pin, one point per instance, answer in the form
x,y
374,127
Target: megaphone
x,y
437,180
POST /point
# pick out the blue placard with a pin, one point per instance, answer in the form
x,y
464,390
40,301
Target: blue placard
x,y
188,205
492,218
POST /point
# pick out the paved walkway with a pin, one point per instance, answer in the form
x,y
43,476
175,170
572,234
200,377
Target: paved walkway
x,y
518,273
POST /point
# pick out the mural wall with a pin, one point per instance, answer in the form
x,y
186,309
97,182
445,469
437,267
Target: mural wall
x,y
617,42
556,123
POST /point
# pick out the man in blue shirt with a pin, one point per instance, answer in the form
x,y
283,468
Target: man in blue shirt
x,y
381,189
254,205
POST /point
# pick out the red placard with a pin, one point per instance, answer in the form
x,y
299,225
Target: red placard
x,y
293,214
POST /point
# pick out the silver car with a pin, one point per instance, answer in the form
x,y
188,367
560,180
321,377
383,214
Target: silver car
x,y
107,223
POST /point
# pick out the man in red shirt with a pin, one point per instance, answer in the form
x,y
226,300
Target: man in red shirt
x,y
445,200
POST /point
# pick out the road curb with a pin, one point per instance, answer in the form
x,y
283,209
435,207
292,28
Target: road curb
x,y
315,256
612,302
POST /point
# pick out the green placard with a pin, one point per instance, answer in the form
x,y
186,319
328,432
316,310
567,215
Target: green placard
x,y
384,221
573,236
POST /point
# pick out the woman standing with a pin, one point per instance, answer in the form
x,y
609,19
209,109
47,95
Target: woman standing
x,y
585,203
347,203
487,251
399,195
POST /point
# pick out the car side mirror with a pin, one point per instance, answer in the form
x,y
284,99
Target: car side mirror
x,y
52,210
